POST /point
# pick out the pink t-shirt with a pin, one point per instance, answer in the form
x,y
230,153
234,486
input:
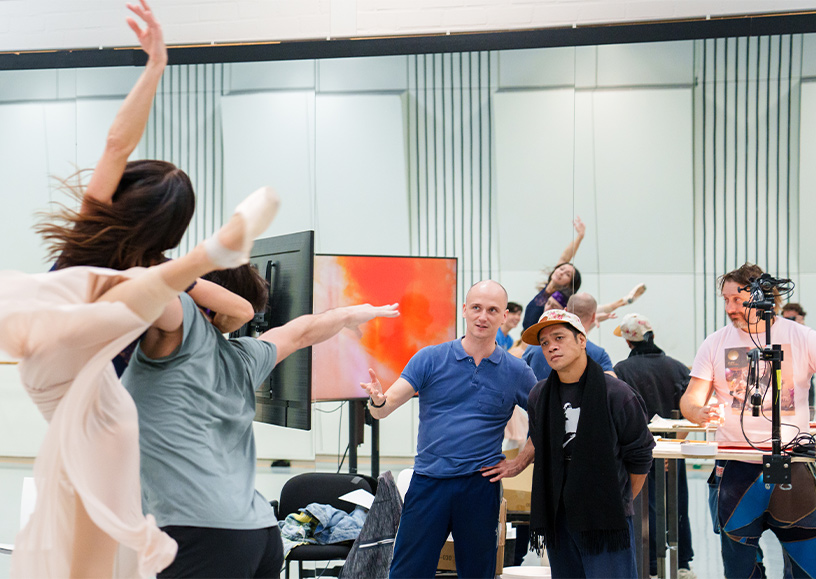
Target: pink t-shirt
x,y
723,359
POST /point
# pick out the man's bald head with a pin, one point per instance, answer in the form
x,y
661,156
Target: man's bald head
x,y
490,286
584,306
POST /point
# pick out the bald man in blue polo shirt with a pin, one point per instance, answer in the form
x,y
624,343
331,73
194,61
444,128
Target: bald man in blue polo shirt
x,y
467,391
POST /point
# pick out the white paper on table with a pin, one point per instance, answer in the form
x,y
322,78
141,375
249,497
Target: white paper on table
x,y
359,497
668,423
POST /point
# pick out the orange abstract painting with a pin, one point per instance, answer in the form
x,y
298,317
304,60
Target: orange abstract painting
x,y
426,291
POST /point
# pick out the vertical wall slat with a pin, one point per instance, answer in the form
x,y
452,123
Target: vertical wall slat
x,y
451,157
704,188
765,148
187,110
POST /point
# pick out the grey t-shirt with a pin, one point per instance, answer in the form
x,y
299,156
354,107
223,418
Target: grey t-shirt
x,y
196,408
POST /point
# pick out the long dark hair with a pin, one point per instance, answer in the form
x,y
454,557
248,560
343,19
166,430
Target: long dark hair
x,y
576,278
152,206
244,281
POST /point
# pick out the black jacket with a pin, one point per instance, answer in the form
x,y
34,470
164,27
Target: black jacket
x,y
659,379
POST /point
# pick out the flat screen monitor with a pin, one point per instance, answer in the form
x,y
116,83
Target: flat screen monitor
x,y
425,288
287,262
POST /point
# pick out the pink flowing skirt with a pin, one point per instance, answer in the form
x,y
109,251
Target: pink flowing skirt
x,y
65,344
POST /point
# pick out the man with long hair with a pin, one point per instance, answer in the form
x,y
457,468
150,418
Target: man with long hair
x,y
721,366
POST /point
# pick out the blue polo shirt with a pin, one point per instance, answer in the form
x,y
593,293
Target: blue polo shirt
x,y
534,356
463,408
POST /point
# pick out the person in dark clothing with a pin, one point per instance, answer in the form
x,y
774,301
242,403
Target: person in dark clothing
x,y
592,452
661,382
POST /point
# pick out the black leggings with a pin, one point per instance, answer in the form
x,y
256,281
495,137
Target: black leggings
x,y
206,552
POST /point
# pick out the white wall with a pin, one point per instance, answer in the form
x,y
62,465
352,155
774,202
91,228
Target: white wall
x,y
338,159
617,151
45,24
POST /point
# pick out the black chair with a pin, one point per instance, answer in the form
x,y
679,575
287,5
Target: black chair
x,y
325,488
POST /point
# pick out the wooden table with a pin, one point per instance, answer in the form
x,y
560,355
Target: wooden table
x,y
671,450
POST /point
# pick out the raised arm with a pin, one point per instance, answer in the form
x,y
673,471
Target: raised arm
x,y
307,330
381,404
572,248
231,310
165,334
129,124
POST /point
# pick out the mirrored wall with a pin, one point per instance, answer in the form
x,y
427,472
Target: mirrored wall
x,y
684,159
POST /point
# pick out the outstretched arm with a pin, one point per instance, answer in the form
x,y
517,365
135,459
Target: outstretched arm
x,y
400,392
572,248
307,330
602,317
129,124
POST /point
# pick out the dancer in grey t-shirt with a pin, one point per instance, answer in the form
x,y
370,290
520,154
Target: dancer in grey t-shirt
x,y
195,392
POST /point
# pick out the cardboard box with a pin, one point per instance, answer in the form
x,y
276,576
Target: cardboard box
x,y
517,489
447,560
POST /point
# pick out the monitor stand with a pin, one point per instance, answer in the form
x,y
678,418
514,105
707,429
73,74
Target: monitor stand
x,y
358,418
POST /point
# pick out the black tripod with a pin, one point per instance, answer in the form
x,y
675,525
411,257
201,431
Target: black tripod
x,y
776,467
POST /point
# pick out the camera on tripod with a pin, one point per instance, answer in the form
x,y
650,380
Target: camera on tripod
x,y
764,291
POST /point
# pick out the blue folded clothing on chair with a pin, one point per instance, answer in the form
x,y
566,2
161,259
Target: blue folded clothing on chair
x,y
320,524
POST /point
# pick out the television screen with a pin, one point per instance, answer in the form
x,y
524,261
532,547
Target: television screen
x,y
425,288
287,263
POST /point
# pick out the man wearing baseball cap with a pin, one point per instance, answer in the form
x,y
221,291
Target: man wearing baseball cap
x,y
661,381
593,451
584,306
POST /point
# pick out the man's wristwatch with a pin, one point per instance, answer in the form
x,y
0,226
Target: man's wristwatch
x,y
371,402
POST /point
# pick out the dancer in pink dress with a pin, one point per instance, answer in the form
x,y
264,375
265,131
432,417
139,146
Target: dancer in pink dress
x,y
65,327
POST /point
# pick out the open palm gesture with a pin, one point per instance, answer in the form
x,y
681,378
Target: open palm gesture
x,y
150,37
374,388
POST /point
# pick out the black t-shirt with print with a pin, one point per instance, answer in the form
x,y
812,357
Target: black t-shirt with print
x,y
570,395
631,438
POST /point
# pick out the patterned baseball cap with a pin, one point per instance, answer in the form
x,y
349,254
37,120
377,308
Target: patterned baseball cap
x,y
633,327
548,318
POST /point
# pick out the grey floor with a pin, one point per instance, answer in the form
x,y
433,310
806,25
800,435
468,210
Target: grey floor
x,y
706,563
